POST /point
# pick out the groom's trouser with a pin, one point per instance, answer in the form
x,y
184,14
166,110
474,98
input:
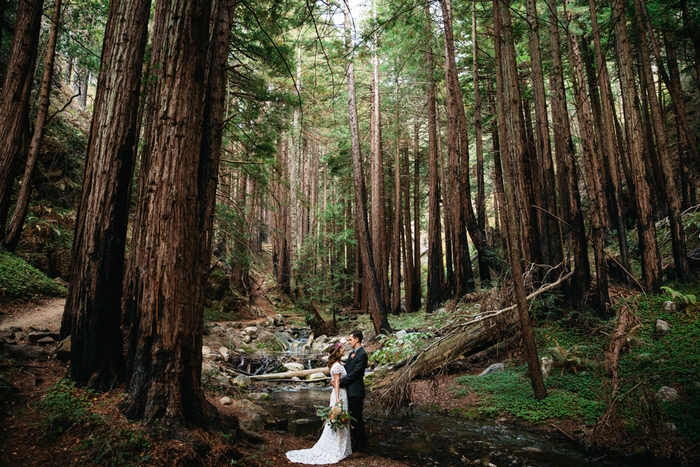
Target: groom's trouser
x,y
357,432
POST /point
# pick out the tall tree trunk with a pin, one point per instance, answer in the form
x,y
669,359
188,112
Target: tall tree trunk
x,y
417,264
570,206
456,193
680,258
409,264
378,234
694,35
499,196
377,309
515,151
684,152
14,230
435,279
93,308
593,164
280,234
484,271
547,197
501,23
16,90
172,227
398,226
608,140
673,87
651,262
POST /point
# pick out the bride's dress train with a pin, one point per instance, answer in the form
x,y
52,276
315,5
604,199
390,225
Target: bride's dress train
x,y
332,446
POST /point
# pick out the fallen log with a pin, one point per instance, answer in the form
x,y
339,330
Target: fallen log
x,y
476,334
290,374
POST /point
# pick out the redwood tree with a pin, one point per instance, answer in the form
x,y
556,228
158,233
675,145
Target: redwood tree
x,y
173,223
93,308
15,93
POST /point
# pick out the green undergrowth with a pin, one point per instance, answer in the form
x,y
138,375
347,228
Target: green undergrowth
x,y
510,393
19,279
578,386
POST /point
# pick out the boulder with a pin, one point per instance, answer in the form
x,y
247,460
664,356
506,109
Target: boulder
x,y
495,368
293,366
669,305
206,352
401,334
316,376
225,353
225,400
251,416
251,331
23,351
667,394
63,350
241,381
662,327
546,366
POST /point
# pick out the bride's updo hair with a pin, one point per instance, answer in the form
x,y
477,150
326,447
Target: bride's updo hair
x,y
336,354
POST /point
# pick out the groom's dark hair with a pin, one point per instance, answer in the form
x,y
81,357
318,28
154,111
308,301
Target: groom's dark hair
x,y
357,335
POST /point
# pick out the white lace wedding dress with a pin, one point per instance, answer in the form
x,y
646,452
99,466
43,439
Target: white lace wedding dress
x,y
332,446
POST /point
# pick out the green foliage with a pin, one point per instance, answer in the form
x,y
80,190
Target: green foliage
x,y
65,406
395,350
323,281
121,448
510,392
679,296
546,307
19,279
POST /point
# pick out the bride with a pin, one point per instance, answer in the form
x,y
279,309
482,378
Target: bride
x,y
332,446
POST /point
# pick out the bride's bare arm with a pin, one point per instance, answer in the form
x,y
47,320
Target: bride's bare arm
x,y
335,383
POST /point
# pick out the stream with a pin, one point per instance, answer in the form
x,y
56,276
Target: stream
x,y
430,438
425,437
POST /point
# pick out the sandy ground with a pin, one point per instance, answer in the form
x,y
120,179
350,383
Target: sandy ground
x,y
44,314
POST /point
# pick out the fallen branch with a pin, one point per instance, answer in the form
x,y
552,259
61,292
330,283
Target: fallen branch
x,y
290,374
474,335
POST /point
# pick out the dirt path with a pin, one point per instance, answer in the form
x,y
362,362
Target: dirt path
x,y
44,314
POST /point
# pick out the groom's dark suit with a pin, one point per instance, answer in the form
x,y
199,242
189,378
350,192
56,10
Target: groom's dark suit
x,y
355,385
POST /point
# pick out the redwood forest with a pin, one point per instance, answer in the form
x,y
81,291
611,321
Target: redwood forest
x,y
201,199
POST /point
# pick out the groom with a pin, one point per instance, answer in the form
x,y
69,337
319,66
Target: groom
x,y
355,385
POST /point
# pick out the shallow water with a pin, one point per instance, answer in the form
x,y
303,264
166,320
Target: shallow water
x,y
429,438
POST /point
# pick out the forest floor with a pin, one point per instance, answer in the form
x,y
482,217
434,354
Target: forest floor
x,y
21,417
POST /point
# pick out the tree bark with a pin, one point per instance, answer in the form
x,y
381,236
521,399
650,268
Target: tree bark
x,y
680,258
457,193
377,309
484,271
435,279
651,262
607,137
93,307
378,217
280,232
694,35
684,152
408,258
14,230
417,264
570,206
593,165
509,105
16,91
172,227
550,231
398,220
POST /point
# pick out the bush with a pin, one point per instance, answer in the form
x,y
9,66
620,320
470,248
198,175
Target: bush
x,y
18,279
65,406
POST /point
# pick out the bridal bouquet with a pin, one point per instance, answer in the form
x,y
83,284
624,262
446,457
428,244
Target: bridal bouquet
x,y
335,415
